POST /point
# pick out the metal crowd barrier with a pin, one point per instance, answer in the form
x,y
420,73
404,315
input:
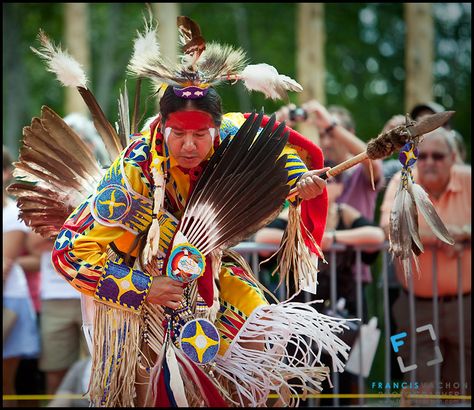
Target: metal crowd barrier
x,y
250,250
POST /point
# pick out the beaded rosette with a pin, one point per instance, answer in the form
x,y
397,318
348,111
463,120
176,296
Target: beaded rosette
x,y
186,263
407,157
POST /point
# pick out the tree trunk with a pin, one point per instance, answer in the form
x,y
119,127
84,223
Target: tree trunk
x,y
15,79
419,54
310,58
107,73
241,19
77,44
167,14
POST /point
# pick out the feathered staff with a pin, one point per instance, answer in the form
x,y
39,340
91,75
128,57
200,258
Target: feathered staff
x,y
404,238
405,242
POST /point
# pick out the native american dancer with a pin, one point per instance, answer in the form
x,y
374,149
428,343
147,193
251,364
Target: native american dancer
x,y
172,315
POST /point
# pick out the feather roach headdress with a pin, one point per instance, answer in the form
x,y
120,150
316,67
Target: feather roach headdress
x,y
203,65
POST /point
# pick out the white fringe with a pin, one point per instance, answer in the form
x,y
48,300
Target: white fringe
x,y
256,372
153,239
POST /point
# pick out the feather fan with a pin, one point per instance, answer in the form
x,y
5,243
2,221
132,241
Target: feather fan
x,y
70,74
56,170
243,186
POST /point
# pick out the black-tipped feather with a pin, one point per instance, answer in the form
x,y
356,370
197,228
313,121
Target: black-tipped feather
x,y
242,187
239,172
272,185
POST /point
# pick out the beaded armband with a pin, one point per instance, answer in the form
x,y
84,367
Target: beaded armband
x,y
123,287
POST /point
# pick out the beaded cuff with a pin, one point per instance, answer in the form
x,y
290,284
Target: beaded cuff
x,y
122,286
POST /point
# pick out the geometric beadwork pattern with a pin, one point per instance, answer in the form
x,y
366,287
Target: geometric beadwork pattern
x,y
123,286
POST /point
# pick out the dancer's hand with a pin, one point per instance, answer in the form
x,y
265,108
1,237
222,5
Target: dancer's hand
x,y
310,185
165,291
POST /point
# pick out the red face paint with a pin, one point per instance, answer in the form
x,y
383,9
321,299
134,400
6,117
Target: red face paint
x,y
190,120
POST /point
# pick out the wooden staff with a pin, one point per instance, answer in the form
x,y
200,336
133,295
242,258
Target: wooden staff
x,y
388,142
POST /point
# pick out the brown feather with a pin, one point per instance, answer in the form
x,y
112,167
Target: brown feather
x,y
404,239
428,211
73,145
55,170
102,125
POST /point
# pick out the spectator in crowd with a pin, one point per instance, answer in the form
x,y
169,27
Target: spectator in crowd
x,y
428,108
74,383
338,142
62,341
457,141
29,378
449,188
20,333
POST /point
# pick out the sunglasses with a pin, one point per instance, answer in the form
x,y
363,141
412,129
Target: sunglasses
x,y
437,156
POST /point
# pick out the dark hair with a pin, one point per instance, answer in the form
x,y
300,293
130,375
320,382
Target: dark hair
x,y
210,103
433,108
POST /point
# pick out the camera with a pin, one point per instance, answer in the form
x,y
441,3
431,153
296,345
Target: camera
x,y
298,114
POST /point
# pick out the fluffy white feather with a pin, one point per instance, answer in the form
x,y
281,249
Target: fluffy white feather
x,y
265,78
290,83
145,46
68,70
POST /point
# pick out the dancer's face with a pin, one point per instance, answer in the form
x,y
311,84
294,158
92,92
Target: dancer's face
x,y
189,135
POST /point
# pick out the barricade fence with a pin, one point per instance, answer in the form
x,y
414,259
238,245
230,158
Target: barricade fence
x,y
382,270
251,250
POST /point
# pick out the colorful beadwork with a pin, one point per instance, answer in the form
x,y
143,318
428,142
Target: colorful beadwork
x,y
123,286
200,341
185,263
115,203
408,155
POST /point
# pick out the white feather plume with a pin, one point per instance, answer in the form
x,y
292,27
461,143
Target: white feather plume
x,y
145,46
67,70
265,78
